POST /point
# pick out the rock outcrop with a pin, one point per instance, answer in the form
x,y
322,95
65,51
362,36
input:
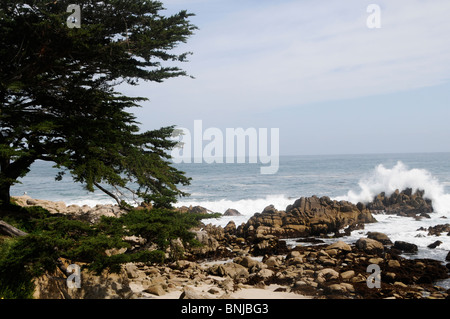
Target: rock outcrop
x,y
437,230
331,271
85,212
226,262
92,286
404,203
194,209
308,216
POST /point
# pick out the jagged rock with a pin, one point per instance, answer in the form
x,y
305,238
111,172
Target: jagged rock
x,y
438,229
131,270
403,203
230,228
309,216
271,246
103,286
209,244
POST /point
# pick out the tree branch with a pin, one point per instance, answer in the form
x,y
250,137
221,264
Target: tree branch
x,y
107,192
11,231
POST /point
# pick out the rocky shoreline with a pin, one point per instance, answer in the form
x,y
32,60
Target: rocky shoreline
x,y
252,260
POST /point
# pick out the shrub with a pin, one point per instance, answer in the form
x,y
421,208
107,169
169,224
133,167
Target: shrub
x,y
53,236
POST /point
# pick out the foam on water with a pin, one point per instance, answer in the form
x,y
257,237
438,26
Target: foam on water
x,y
247,207
398,228
399,177
349,177
381,179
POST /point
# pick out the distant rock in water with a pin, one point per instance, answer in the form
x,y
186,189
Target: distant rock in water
x,y
437,230
406,247
308,216
403,203
193,209
232,212
435,244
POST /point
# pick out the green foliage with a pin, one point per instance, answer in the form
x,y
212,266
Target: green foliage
x,y
58,98
54,236
58,103
15,280
160,226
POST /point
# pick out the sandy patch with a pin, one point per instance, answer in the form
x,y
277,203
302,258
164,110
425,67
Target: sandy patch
x,y
242,293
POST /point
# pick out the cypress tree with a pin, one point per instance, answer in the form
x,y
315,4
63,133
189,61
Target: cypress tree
x,y
59,99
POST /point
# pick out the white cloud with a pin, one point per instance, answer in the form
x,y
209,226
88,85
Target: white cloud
x,y
292,53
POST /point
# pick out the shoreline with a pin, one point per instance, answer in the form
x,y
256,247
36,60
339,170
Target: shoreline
x,y
228,266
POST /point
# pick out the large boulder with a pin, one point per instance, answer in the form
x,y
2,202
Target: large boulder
x,y
230,269
370,246
246,261
232,212
209,243
381,237
406,247
340,245
326,274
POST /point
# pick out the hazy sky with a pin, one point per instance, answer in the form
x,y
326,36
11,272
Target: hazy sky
x,y
313,69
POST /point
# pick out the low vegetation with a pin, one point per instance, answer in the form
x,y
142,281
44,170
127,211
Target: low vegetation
x,y
51,237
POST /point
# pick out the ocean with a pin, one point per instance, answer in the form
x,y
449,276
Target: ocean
x,y
342,177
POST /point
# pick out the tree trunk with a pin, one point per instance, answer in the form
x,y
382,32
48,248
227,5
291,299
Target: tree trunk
x,y
9,173
5,195
4,186
11,231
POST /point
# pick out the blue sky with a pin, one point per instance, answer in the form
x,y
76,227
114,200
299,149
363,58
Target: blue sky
x,y
314,70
